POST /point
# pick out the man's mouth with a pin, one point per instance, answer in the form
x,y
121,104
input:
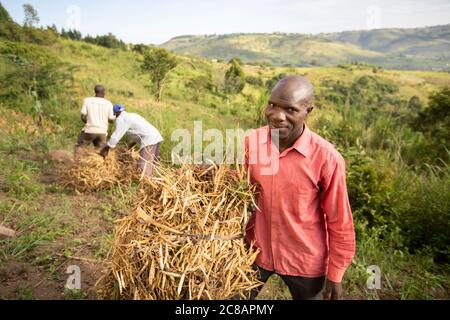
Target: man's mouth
x,y
278,127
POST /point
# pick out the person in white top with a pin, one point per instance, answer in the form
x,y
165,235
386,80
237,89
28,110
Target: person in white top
x,y
97,113
139,131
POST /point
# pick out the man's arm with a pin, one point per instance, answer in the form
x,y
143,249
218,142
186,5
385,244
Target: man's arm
x,y
111,116
339,220
121,128
84,112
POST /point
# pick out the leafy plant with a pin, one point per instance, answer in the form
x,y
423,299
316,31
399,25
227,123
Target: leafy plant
x,y
157,64
234,78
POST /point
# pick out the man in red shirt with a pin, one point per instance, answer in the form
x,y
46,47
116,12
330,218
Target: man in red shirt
x,y
303,225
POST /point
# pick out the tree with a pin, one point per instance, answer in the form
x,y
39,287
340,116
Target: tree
x,y
158,63
71,34
108,40
140,48
415,105
234,78
31,15
53,28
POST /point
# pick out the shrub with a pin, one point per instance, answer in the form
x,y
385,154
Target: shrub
x,y
434,122
34,79
201,83
254,81
424,213
369,189
234,78
157,64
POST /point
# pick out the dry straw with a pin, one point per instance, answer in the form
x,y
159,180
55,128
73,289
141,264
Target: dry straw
x,y
90,172
184,239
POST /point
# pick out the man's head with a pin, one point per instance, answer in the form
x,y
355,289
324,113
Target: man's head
x,y
290,103
118,109
99,91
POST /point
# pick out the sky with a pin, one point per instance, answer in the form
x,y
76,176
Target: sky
x,y
157,21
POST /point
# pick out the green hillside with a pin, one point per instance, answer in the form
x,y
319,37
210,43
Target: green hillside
x,y
433,41
420,48
391,126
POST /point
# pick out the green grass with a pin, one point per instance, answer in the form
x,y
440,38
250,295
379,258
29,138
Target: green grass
x,y
37,228
74,294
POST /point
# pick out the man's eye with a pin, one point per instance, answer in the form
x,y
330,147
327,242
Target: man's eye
x,y
271,105
291,110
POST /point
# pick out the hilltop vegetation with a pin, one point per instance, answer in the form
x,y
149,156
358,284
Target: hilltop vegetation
x,y
419,48
391,126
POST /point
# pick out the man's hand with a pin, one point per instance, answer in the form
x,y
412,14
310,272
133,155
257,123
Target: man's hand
x,y
333,291
104,152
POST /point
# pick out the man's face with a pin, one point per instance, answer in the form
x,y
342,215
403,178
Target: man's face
x,y
286,116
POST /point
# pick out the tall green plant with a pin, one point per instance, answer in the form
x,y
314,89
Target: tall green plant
x,y
157,64
234,78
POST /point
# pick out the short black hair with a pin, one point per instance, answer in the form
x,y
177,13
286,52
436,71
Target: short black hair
x,y
99,89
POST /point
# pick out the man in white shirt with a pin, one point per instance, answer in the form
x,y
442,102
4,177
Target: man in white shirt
x,y
141,132
96,113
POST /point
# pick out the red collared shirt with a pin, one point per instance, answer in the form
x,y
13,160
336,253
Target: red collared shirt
x,y
303,225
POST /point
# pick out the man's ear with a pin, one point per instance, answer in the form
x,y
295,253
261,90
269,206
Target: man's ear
x,y
310,109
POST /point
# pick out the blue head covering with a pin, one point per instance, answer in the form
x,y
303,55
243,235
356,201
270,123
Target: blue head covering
x,y
118,108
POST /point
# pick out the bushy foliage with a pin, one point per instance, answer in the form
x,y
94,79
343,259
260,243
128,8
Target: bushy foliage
x,y
71,34
141,48
234,78
254,81
31,15
157,64
33,74
415,105
434,122
366,92
424,213
9,30
201,84
369,188
108,41
373,92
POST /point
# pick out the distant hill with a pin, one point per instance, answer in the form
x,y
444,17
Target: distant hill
x,y
419,48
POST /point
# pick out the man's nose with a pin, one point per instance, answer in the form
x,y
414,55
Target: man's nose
x,y
278,115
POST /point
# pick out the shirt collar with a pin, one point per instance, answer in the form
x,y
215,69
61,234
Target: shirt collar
x,y
301,145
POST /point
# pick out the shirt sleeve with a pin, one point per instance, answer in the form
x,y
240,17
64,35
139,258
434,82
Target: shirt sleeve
x,y
122,127
84,108
339,219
